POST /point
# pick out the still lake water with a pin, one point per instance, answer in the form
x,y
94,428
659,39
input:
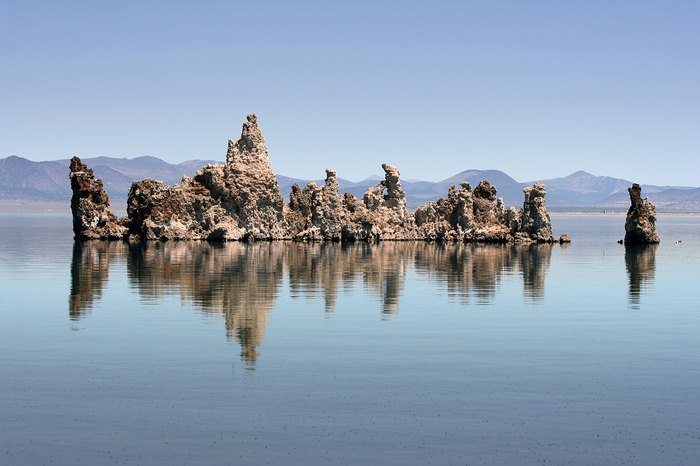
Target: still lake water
x,y
398,353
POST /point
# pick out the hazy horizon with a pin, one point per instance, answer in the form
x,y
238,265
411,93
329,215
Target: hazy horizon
x,y
378,175
534,89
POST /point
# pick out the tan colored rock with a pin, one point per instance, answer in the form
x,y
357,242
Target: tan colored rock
x,y
253,191
535,224
241,200
465,215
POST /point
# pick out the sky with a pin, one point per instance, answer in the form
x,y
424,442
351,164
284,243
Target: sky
x,y
537,89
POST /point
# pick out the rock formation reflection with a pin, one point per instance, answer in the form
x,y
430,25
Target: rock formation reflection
x,y
325,267
640,261
90,273
475,271
237,280
242,281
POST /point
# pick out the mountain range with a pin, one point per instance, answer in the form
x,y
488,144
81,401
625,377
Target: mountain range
x,y
26,181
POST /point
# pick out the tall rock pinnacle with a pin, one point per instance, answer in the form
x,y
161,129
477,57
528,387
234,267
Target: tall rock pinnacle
x,y
254,191
640,225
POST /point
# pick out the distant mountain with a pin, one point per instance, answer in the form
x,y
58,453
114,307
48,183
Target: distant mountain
x,y
667,200
140,168
510,190
23,180
582,189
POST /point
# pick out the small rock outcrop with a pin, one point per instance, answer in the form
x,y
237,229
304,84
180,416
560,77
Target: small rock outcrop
x,y
465,215
321,213
640,224
89,205
534,221
241,201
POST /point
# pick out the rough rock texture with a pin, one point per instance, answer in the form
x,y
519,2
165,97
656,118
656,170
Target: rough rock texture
x,y
640,225
535,223
253,191
89,205
236,201
466,215
321,213
241,200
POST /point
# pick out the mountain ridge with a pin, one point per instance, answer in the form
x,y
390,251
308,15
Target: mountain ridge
x,y
23,180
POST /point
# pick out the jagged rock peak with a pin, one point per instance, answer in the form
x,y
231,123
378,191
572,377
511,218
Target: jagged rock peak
x,y
89,204
332,179
640,224
251,136
395,197
535,221
251,144
253,192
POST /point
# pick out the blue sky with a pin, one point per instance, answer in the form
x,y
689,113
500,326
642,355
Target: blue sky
x,y
534,88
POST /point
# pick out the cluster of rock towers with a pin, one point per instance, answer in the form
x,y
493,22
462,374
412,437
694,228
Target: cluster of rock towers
x,y
241,201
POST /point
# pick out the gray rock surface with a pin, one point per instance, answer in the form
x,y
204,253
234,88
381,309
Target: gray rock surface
x,y
241,200
640,224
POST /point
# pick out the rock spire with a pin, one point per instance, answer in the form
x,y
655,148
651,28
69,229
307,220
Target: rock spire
x,y
640,225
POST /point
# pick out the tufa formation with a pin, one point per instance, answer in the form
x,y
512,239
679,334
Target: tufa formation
x,y
89,205
640,224
241,201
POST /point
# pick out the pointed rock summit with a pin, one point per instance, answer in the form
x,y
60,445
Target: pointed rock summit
x,y
241,200
254,192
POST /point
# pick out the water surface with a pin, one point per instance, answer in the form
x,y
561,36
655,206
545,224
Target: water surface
x,y
397,353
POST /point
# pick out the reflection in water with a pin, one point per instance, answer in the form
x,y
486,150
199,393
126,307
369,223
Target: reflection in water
x,y
476,270
238,280
640,261
323,268
89,273
242,281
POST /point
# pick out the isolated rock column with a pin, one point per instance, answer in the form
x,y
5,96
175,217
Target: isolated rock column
x,y
640,225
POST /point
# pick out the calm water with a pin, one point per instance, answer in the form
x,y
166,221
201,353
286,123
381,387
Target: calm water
x,y
363,354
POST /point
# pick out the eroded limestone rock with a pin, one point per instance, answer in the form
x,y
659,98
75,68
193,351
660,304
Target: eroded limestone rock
x,y
89,204
241,200
236,201
253,192
535,223
640,225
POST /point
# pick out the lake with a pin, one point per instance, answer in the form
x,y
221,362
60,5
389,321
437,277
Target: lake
x,y
393,353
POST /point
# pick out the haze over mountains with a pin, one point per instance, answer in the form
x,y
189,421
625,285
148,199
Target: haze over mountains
x,y
25,181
